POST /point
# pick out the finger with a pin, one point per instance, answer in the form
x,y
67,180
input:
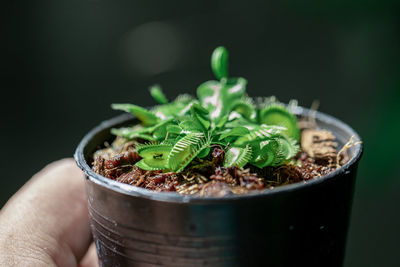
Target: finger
x,y
46,221
90,259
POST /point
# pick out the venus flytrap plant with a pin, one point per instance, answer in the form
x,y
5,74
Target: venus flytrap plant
x,y
237,156
154,156
277,114
186,149
263,134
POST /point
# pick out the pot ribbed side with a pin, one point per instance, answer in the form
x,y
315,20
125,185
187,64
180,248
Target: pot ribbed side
x,y
125,234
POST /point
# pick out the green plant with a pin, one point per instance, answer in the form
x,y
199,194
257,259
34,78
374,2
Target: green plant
x,y
262,134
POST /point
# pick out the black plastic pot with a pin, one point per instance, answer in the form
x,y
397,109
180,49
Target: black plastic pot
x,y
303,224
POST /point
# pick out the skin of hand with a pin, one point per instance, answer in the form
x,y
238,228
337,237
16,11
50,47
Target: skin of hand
x,y
46,223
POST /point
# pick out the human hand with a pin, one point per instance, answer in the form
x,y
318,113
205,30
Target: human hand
x,y
46,222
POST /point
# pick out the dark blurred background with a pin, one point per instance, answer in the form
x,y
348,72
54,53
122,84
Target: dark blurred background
x,y
64,62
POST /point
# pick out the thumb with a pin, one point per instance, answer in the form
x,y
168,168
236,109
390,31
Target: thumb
x,y
46,222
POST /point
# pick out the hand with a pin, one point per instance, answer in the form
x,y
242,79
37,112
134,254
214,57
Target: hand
x,y
46,222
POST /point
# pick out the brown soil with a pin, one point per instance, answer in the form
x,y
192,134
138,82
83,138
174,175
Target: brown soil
x,y
208,178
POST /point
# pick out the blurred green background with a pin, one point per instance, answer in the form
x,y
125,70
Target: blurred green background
x,y
63,63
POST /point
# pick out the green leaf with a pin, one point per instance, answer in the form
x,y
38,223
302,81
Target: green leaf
x,y
199,114
160,133
174,129
152,133
274,152
237,131
155,155
220,143
288,146
265,153
246,108
161,124
237,120
204,153
276,114
219,62
179,107
158,95
130,133
142,165
159,130
259,133
186,149
221,122
146,117
190,126
218,97
237,156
